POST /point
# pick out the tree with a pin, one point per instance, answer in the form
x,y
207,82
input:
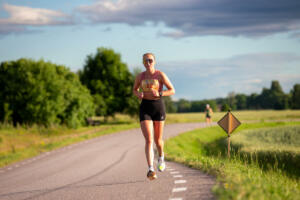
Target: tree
x,y
133,102
42,93
252,101
200,106
295,100
225,107
231,100
170,107
183,105
109,81
241,101
273,98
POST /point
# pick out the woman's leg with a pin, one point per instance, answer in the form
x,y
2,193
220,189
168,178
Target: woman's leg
x,y
158,136
147,127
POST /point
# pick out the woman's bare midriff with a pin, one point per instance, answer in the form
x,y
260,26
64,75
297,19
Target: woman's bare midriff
x,y
149,96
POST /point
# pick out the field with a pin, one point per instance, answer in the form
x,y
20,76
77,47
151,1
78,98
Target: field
x,y
264,163
243,116
265,149
24,142
18,143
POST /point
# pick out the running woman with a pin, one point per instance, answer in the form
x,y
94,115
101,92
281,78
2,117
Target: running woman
x,y
208,114
148,87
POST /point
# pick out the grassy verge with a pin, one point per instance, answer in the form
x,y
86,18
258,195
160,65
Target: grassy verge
x,y
18,143
243,116
24,142
245,175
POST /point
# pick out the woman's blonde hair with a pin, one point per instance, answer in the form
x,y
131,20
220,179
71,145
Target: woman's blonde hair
x,y
146,54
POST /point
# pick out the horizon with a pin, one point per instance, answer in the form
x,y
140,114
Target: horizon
x,y
207,50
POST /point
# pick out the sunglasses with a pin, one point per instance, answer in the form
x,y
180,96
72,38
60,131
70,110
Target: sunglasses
x,y
148,60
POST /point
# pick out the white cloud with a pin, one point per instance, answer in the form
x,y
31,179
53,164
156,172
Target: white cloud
x,y
201,17
21,15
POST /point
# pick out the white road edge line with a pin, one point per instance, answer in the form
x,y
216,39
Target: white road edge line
x,y
175,199
181,189
176,172
179,181
177,176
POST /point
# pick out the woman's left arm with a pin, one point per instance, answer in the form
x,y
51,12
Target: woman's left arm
x,y
168,84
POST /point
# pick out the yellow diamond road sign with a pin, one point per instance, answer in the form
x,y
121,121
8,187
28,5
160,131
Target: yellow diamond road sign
x,y
229,123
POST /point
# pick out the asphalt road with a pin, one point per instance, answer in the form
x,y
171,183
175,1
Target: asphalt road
x,y
108,167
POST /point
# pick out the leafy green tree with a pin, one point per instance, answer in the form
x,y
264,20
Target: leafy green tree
x,y
252,101
273,98
295,100
38,92
170,107
183,105
231,100
200,106
110,83
133,102
225,107
281,99
241,101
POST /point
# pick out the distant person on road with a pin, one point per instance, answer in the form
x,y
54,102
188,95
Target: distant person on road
x,y
148,87
208,114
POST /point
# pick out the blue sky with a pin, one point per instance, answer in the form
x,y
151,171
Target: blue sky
x,y
208,48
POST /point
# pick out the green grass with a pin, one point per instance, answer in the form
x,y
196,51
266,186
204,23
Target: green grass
x,y
18,143
243,116
271,148
273,139
24,142
260,174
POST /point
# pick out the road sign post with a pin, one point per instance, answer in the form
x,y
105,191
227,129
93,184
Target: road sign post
x,y
229,123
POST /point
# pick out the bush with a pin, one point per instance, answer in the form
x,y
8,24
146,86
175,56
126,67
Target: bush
x,y
225,107
110,83
38,92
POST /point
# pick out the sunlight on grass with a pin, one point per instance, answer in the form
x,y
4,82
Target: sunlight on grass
x,y
245,175
243,116
273,139
23,142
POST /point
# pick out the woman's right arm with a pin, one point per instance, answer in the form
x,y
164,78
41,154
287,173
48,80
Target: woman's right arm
x,y
136,87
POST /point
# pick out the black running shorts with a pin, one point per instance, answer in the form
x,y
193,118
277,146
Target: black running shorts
x,y
152,110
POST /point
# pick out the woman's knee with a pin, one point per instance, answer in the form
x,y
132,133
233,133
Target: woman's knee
x,y
148,141
159,141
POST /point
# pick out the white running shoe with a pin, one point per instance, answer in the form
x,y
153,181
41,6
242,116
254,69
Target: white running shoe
x,y
161,165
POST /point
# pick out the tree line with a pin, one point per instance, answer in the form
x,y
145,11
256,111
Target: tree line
x,y
43,93
269,98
